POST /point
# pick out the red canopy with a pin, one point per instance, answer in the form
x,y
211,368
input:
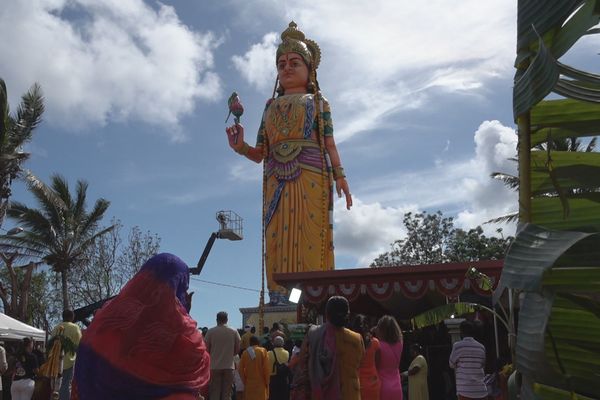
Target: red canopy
x,y
391,287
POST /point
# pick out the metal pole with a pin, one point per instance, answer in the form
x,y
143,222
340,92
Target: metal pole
x,y
496,336
511,323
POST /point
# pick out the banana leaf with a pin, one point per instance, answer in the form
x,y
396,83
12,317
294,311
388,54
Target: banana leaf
x,y
542,135
534,250
483,281
552,393
583,254
555,261
577,74
540,16
572,178
571,169
558,343
439,314
573,115
577,90
583,19
584,212
576,279
573,342
536,82
583,301
530,351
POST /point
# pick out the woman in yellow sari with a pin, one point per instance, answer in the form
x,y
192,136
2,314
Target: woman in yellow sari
x,y
295,140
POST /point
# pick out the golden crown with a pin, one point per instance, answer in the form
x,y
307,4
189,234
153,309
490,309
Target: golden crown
x,y
293,40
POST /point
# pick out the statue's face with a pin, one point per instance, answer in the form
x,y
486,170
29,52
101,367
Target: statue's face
x,y
293,73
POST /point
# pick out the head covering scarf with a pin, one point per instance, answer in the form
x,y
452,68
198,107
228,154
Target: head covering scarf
x,y
323,369
143,344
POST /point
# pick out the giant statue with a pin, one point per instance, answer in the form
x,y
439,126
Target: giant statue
x,y
301,164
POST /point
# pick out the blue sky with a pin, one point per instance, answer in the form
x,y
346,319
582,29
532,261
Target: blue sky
x,y
136,95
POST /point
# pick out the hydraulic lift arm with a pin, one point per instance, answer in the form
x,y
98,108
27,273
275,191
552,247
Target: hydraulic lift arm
x,y
207,248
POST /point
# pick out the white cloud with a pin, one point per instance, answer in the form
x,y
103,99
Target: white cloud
x,y
460,182
367,230
462,189
390,56
245,170
257,66
430,188
109,61
494,145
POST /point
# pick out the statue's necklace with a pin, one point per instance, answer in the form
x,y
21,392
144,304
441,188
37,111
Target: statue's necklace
x,y
287,115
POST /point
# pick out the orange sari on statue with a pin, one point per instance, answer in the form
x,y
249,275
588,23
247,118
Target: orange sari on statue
x,y
298,186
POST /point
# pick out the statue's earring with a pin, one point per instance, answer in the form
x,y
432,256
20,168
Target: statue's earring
x,y
311,87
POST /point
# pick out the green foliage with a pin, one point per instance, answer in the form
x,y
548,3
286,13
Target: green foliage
x,y
66,344
42,311
432,238
439,314
482,280
15,131
473,245
554,259
15,287
61,230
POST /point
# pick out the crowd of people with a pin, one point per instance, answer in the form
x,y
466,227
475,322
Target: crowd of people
x,y
330,362
333,361
22,364
144,345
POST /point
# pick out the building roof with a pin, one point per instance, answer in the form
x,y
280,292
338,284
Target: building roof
x,y
407,287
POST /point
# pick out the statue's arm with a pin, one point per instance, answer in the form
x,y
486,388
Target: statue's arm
x,y
341,184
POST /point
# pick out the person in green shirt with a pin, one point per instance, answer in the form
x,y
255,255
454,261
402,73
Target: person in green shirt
x,y
72,332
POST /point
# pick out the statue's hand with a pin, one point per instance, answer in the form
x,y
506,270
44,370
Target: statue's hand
x,y
341,185
235,136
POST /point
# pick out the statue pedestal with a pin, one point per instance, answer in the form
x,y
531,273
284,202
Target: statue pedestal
x,y
453,325
282,313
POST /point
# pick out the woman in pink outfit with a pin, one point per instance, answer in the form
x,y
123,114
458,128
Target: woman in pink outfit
x,y
388,366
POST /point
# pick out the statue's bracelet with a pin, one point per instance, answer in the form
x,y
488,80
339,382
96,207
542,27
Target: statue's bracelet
x,y
244,150
338,172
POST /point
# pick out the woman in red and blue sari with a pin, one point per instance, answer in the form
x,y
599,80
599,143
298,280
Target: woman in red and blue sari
x,y
143,344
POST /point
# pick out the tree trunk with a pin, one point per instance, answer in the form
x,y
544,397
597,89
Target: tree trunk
x,y
11,310
65,290
25,289
15,305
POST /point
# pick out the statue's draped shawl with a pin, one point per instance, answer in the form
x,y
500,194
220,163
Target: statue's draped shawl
x,y
143,344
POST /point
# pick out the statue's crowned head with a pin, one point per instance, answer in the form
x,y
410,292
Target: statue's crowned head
x,y
293,40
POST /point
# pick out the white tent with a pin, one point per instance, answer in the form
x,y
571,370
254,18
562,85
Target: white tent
x,y
10,328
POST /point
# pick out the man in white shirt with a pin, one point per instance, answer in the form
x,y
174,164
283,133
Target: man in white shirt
x,y
223,343
468,360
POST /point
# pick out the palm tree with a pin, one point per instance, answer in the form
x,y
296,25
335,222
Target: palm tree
x,y
60,231
15,131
